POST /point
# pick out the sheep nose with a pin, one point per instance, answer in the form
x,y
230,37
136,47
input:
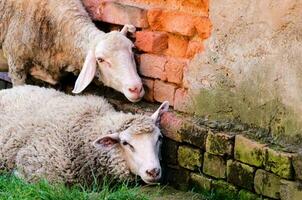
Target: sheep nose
x,y
136,90
154,173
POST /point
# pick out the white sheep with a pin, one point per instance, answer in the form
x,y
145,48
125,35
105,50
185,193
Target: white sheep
x,y
48,134
46,38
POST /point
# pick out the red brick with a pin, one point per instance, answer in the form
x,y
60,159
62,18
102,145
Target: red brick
x,y
203,26
185,80
164,92
92,7
122,14
177,46
171,21
174,70
194,47
171,126
149,89
153,66
181,100
152,42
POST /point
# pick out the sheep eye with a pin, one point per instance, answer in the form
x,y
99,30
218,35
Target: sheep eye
x,y
127,144
100,60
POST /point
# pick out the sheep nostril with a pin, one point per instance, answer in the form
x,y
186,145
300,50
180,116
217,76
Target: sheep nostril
x,y
153,173
133,90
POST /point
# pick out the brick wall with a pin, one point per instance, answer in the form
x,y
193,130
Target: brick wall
x,y
225,156
169,35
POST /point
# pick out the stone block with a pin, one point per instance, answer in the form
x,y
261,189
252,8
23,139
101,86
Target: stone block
x,y
240,174
267,184
214,166
220,144
297,163
193,134
290,190
279,163
189,157
200,181
249,151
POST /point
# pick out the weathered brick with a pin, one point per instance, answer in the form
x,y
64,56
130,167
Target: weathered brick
x,y
170,125
290,190
172,21
194,134
200,181
247,195
149,89
189,157
214,166
203,26
153,66
267,184
240,174
164,92
297,163
174,70
182,100
152,42
177,46
223,186
249,151
169,151
178,178
194,47
121,14
279,163
220,144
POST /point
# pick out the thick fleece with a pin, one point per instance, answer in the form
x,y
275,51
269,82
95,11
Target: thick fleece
x,y
48,134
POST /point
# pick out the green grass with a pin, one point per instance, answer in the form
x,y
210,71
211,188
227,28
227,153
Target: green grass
x,y
12,188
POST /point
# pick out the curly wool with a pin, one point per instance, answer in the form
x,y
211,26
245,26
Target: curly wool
x,y
45,37
48,134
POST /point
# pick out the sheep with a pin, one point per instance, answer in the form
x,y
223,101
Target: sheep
x,y
47,134
48,38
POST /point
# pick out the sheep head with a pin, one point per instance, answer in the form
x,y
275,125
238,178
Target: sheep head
x,y
140,142
112,56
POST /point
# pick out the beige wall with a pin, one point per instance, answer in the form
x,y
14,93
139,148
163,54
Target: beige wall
x,y
252,65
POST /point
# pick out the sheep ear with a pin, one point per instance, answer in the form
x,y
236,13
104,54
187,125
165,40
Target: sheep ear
x,y
128,28
164,107
87,73
107,141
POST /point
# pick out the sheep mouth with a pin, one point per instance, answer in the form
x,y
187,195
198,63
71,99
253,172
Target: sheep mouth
x,y
151,181
134,100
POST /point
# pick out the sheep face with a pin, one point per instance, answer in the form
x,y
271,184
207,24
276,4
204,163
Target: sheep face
x,y
114,60
140,144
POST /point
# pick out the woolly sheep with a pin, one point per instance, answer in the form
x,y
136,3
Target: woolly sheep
x,y
48,134
47,38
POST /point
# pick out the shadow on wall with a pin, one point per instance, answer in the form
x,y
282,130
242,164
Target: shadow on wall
x,y
251,69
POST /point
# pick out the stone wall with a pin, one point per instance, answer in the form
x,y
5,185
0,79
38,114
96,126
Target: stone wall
x,y
224,156
169,35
